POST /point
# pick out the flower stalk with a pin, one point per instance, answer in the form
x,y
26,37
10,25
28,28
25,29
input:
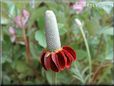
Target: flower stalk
x,y
55,57
54,78
21,22
26,40
86,44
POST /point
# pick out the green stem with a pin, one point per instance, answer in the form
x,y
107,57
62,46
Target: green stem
x,y
54,76
26,40
88,51
28,55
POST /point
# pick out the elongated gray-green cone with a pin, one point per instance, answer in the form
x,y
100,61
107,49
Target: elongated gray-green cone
x,y
51,31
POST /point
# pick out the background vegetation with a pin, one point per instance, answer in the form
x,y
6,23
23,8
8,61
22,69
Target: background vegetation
x,y
98,29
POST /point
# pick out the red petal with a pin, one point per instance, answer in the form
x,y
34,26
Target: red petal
x,y
71,51
61,59
42,58
47,60
55,60
69,58
53,65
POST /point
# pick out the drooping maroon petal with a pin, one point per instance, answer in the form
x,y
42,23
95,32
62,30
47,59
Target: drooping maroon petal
x,y
71,51
55,60
47,60
42,58
53,65
61,59
58,60
69,58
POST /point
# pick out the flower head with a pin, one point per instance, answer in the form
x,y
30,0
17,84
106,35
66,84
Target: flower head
x,y
22,19
25,16
25,13
79,6
55,57
59,59
18,22
12,33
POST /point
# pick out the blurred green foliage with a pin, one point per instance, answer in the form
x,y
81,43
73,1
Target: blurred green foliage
x,y
98,29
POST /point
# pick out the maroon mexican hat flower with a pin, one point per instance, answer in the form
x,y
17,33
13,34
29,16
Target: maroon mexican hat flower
x,y
55,57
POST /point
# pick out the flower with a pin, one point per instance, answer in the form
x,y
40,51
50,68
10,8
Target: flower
x,y
25,16
22,19
79,6
25,13
59,59
18,21
12,33
55,57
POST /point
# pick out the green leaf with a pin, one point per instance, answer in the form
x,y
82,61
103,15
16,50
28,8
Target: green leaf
x,y
92,26
85,70
77,77
106,5
87,78
6,79
4,13
49,76
12,10
40,37
107,31
19,4
35,50
62,77
3,20
81,54
37,15
77,73
62,29
110,56
21,67
5,58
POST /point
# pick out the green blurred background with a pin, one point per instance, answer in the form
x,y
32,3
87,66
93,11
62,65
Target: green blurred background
x,y
98,29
